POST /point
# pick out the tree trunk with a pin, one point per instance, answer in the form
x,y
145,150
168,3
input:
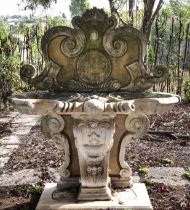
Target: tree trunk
x,y
131,5
149,16
148,19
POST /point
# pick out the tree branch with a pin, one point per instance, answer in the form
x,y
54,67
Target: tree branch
x,y
159,6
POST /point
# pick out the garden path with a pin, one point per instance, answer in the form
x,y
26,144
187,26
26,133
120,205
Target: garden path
x,y
19,125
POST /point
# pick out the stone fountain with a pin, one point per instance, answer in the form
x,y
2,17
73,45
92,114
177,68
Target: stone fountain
x,y
94,98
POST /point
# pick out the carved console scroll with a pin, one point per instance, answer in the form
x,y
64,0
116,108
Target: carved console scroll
x,y
52,126
137,125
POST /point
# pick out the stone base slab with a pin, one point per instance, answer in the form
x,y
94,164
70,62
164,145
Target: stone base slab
x,y
100,193
134,198
119,182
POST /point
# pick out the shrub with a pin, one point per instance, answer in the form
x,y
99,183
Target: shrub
x,y
186,90
144,170
187,175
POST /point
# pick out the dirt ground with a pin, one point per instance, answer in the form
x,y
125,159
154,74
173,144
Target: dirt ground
x,y
40,153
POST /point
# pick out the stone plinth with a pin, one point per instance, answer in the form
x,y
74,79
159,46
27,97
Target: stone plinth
x,y
134,198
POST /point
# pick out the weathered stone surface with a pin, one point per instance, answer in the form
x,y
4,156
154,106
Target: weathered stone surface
x,y
10,140
13,114
157,104
168,175
21,131
135,198
26,120
7,149
95,54
5,120
94,139
8,117
3,161
23,177
54,173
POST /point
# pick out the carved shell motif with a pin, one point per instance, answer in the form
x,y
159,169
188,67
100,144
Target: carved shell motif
x,y
93,55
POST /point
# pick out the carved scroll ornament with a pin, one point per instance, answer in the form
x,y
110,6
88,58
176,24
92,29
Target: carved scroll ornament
x,y
93,55
137,125
52,126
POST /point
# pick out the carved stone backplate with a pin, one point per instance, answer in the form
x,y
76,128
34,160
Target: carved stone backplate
x,y
93,55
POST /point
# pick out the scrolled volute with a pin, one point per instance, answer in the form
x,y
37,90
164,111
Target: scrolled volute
x,y
41,81
137,123
60,138
125,172
27,72
112,21
77,21
114,85
160,73
74,42
52,124
114,43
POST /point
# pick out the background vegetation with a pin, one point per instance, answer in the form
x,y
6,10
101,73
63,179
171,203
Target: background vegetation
x,y
167,31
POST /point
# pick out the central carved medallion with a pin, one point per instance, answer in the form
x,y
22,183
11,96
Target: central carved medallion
x,y
93,67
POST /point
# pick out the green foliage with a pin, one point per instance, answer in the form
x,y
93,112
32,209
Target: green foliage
x,y
186,90
166,160
78,7
151,55
56,21
179,6
186,175
149,182
9,72
3,30
32,4
34,189
144,170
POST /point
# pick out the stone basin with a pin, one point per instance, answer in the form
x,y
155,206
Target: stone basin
x,y
67,103
47,102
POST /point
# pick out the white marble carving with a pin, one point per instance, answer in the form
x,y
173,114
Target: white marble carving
x,y
137,125
94,139
52,127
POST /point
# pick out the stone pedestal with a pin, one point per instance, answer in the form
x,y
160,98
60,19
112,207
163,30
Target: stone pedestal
x,y
93,129
134,198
